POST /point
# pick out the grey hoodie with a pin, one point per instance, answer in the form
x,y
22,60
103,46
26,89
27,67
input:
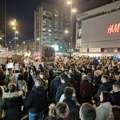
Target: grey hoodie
x,y
104,112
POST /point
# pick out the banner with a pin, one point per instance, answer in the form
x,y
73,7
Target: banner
x,y
17,58
94,49
48,54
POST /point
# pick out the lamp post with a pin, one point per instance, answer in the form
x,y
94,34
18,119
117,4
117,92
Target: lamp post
x,y
72,10
38,39
13,24
18,48
24,49
66,39
15,39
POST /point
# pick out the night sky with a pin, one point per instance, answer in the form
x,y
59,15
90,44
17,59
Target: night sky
x,y
23,12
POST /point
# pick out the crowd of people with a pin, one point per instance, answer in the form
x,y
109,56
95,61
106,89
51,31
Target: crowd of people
x,y
77,88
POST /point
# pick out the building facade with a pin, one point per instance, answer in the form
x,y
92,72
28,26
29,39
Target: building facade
x,y
50,24
25,46
98,30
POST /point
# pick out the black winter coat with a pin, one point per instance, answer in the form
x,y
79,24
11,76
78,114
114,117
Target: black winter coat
x,y
37,99
116,96
13,107
53,87
107,86
60,90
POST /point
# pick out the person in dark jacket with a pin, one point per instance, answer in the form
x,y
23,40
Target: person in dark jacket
x,y
72,104
1,76
116,94
105,86
95,62
53,87
36,101
12,103
60,90
97,80
22,85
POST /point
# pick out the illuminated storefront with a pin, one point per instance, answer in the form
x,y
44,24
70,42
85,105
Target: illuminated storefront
x,y
100,29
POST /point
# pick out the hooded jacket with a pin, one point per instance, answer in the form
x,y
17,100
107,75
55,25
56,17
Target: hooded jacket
x,y
37,100
104,112
12,103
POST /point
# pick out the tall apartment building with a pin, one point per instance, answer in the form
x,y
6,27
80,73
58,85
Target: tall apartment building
x,y
50,24
25,46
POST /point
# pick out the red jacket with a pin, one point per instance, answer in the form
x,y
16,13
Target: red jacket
x,y
86,89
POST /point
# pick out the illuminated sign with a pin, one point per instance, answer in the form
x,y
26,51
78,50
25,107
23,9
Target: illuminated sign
x,y
83,49
102,31
113,28
56,47
94,49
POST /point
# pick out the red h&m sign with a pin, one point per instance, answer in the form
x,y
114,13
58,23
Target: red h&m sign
x,y
113,28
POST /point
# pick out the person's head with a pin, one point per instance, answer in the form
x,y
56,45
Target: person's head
x,y
116,86
41,74
70,71
22,70
62,110
97,73
84,77
0,66
116,112
52,113
104,78
57,73
87,112
105,96
117,77
68,92
20,77
64,78
103,71
10,70
12,87
37,82
90,77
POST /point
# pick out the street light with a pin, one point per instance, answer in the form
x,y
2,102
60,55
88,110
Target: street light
x,y
13,22
66,31
72,10
14,28
69,2
24,42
